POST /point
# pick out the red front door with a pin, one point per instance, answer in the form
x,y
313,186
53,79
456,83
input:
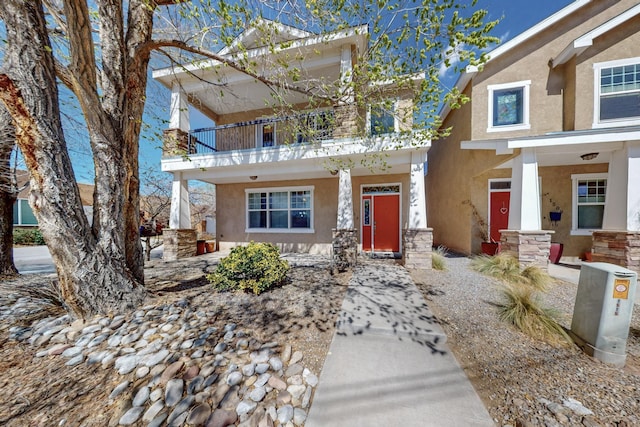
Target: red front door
x,y
499,213
381,223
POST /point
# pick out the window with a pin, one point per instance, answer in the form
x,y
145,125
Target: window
x,y
22,213
382,119
280,209
617,86
509,106
589,196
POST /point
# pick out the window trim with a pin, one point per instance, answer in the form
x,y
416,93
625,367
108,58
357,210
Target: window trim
x,y
491,89
597,72
575,231
309,188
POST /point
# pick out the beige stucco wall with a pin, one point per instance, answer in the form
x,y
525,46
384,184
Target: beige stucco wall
x,y
529,61
618,44
231,217
449,183
231,212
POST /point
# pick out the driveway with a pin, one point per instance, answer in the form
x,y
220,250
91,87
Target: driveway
x,y
37,259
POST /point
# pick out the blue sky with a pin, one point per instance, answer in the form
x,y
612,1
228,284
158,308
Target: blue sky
x,y
516,16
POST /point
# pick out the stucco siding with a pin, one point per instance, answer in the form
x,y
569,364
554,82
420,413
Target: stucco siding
x,y
231,217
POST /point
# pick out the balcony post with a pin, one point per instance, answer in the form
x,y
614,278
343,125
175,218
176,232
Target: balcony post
x,y
179,109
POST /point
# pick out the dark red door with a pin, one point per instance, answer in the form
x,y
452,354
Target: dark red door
x,y
381,223
367,222
499,213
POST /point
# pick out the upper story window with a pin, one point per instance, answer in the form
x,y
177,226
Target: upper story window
x,y
382,119
589,197
22,213
617,100
509,106
278,210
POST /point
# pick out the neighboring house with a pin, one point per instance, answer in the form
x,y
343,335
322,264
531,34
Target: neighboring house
x,y
548,149
302,182
23,216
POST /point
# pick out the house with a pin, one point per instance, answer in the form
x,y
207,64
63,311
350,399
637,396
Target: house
x,y
305,179
548,149
23,216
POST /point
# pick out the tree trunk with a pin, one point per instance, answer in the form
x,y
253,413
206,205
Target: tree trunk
x,y
93,276
7,194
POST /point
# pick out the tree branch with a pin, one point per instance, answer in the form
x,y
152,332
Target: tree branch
x,y
159,44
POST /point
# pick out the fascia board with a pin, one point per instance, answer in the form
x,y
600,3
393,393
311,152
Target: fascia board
x,y
613,136
583,42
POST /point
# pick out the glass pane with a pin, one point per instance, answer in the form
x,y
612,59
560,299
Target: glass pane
x,y
592,191
278,219
268,135
301,219
257,200
590,216
366,215
300,199
15,213
620,106
28,218
279,200
500,185
382,121
508,107
258,219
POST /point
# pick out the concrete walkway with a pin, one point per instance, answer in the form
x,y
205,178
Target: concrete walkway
x,y
388,364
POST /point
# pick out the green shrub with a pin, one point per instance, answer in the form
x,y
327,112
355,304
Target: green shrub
x,y
438,257
256,268
27,236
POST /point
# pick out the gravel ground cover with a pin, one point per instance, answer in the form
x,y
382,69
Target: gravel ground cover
x,y
524,382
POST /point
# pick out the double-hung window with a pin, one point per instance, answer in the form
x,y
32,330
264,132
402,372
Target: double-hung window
x,y
589,197
267,134
617,100
280,210
509,106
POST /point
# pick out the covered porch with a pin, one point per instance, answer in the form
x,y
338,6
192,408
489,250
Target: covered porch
x,y
579,188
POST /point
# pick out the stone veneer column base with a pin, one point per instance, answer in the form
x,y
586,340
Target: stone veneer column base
x,y
417,244
345,248
617,247
530,247
175,143
179,243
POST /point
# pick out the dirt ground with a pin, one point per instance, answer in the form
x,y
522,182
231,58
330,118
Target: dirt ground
x,y
301,313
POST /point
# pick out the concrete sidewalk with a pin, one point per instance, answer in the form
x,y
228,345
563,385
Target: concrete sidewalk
x,y
388,364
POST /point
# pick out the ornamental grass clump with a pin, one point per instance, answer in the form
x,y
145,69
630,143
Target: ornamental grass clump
x,y
438,257
521,303
256,267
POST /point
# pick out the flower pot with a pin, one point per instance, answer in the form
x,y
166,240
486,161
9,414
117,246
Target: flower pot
x,y
200,248
210,246
555,216
555,252
490,248
587,256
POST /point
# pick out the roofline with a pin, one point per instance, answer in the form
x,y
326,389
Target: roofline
x,y
467,75
300,34
314,39
583,42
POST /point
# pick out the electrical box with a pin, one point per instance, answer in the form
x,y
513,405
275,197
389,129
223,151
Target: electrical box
x,y
603,309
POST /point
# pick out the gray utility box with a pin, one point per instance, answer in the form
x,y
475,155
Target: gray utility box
x,y
602,314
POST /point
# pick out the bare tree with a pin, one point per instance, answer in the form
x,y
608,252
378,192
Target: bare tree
x,y
102,56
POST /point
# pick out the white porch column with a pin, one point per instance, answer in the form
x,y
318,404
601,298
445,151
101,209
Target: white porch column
x,y
622,204
417,196
180,217
524,205
345,201
346,75
179,109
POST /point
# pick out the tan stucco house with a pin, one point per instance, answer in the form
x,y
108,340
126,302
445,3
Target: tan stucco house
x,y
548,149
303,181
